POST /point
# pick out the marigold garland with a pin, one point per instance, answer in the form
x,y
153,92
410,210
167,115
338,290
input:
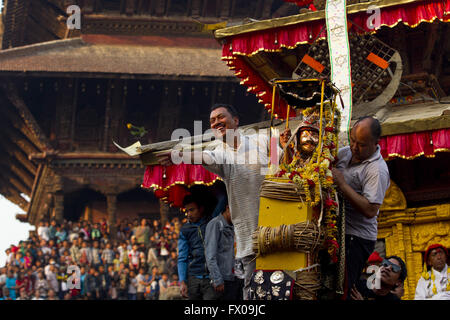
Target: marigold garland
x,y
316,178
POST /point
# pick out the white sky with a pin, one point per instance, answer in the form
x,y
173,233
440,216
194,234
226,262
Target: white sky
x,y
11,229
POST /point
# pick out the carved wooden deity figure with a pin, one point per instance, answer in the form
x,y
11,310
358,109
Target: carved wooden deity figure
x,y
303,143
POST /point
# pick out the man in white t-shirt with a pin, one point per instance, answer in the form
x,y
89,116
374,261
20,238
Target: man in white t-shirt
x,y
43,231
141,284
133,257
50,274
239,160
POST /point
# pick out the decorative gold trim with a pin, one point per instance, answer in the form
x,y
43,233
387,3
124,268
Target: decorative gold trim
x,y
157,187
396,155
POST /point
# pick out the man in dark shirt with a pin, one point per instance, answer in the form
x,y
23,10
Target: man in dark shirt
x,y
192,267
392,274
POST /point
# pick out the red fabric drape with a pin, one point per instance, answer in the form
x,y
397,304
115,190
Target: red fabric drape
x,y
173,187
236,47
413,145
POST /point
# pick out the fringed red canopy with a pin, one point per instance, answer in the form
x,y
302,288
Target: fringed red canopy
x,y
412,145
239,46
171,183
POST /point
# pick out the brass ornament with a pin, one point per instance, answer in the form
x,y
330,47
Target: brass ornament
x,y
259,277
277,277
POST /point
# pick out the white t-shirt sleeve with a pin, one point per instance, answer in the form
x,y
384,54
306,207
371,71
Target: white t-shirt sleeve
x,y
215,162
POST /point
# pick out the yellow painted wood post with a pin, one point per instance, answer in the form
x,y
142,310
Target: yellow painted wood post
x,y
273,213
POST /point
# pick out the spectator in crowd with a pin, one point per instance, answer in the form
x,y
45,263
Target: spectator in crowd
x,y
193,274
52,230
434,284
30,282
10,284
20,282
41,262
108,255
91,284
164,284
52,295
2,278
141,284
171,263
23,294
142,233
132,286
42,286
133,257
123,283
104,283
75,252
163,248
116,261
219,244
37,295
62,277
61,234
43,231
83,275
85,254
392,274
96,256
95,232
154,284
63,246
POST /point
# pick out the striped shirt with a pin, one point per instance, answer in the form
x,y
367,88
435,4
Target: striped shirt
x,y
241,171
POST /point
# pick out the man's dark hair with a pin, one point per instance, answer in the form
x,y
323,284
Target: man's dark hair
x,y
229,108
192,199
403,272
375,127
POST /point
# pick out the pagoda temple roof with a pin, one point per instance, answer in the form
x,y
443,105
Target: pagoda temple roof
x,y
149,57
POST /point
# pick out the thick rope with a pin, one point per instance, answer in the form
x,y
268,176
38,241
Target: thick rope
x,y
281,190
300,237
341,266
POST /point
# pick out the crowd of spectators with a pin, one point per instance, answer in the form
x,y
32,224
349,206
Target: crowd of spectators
x,y
137,262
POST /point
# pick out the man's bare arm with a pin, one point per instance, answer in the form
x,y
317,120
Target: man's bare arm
x,y
359,202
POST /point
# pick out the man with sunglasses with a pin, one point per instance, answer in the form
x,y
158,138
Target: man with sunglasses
x,y
391,275
435,283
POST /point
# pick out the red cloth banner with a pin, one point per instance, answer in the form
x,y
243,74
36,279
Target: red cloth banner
x,y
412,145
171,183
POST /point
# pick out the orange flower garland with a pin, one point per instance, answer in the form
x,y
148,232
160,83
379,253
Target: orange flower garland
x,y
316,178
